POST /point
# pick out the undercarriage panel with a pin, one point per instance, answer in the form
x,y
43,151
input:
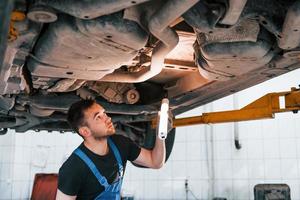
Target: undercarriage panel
x,y
81,49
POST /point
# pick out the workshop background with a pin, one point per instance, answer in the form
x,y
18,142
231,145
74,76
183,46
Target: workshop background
x,y
204,163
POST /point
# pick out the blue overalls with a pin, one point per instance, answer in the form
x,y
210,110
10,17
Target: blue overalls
x,y
111,191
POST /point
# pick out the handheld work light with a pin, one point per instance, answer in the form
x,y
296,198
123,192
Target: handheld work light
x,y
163,119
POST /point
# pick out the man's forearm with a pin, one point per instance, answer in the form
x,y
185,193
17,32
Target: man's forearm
x,y
158,153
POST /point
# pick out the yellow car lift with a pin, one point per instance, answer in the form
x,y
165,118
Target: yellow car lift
x,y
263,108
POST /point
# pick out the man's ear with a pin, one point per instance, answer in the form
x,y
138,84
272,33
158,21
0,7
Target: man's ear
x,y
84,131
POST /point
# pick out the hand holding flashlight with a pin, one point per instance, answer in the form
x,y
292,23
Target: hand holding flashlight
x,y
163,119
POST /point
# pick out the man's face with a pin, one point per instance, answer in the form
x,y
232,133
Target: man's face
x,y
98,122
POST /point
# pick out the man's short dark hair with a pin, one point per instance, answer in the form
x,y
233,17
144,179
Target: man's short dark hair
x,y
76,113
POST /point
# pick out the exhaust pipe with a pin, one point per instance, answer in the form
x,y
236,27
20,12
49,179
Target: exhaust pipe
x,y
159,27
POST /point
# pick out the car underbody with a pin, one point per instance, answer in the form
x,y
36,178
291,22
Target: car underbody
x,y
128,55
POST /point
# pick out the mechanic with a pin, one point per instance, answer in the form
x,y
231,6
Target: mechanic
x,y
95,169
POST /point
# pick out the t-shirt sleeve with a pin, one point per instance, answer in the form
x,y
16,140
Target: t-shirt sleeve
x,y
70,176
133,150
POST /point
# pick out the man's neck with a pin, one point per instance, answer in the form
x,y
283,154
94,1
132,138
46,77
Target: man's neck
x,y
99,147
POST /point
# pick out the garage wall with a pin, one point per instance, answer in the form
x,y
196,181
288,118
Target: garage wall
x,y
31,153
6,165
270,154
204,156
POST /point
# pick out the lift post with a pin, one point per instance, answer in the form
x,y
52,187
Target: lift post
x,y
262,108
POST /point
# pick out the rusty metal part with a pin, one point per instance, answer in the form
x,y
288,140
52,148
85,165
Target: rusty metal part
x,y
17,16
263,108
132,96
116,92
13,32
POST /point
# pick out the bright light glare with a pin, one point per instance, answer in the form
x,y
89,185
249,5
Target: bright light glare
x,y
163,120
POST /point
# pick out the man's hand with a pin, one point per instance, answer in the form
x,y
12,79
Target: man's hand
x,y
170,121
155,158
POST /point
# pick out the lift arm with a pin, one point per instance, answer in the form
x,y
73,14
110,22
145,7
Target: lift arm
x,y
263,108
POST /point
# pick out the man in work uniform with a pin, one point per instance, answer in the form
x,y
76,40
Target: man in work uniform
x,y
95,169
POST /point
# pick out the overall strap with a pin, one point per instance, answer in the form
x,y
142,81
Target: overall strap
x,y
102,180
117,154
